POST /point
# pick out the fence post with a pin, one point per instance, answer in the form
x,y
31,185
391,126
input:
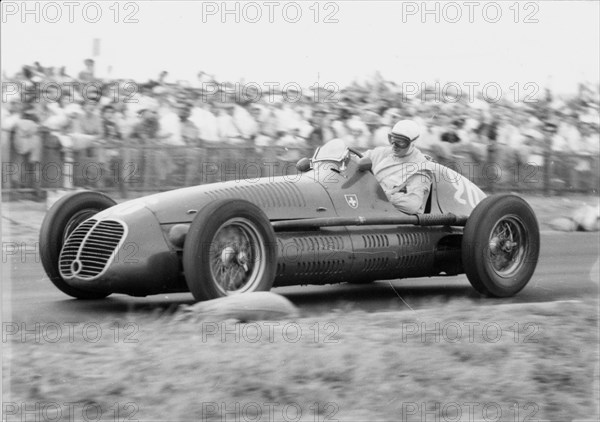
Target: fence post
x,y
69,180
491,158
547,170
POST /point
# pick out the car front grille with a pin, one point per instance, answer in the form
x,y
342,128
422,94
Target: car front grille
x,y
89,249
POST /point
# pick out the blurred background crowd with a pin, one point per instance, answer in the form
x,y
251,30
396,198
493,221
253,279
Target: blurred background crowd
x,y
67,131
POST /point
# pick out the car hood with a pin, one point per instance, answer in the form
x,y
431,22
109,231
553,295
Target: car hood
x,y
280,198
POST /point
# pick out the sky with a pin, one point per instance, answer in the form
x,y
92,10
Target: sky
x,y
554,44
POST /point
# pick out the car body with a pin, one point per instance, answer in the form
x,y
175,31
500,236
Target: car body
x,y
330,223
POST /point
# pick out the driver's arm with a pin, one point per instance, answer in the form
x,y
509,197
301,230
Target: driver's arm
x,y
411,197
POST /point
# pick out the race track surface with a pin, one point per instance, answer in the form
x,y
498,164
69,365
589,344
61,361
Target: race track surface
x,y
567,270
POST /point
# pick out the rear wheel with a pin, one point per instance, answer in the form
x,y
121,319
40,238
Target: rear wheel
x,y
500,246
63,217
229,249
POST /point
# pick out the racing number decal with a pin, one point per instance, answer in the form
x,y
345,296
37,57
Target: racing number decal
x,y
473,194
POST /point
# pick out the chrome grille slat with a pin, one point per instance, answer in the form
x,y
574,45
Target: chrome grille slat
x,y
91,269
96,249
105,236
88,266
99,243
95,261
92,243
108,234
91,249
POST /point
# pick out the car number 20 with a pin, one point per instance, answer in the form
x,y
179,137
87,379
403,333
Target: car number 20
x,y
464,186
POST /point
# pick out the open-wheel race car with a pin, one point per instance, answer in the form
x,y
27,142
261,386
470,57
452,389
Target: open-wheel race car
x,y
330,223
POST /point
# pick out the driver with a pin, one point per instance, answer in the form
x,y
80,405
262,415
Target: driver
x,y
400,168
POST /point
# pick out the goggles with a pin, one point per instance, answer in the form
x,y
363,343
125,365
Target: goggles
x,y
399,141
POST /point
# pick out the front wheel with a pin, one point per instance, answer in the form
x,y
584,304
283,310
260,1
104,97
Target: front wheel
x,y
229,249
60,220
501,245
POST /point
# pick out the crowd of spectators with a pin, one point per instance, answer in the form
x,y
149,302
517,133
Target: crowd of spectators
x,y
119,134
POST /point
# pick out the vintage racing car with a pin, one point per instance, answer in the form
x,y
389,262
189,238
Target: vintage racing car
x,y
330,223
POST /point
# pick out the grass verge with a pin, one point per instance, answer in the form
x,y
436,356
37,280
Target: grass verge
x,y
447,363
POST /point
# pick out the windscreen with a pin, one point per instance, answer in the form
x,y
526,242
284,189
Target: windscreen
x,y
334,150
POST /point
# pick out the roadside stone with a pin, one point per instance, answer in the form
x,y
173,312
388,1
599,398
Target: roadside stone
x,y
255,306
585,218
563,224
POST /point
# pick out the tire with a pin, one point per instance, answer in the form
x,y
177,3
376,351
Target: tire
x,y
500,245
229,249
62,218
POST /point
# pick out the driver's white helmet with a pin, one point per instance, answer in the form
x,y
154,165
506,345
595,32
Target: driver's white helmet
x,y
407,129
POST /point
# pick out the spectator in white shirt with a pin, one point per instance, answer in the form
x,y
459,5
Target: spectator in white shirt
x,y
205,121
568,136
170,125
228,130
304,123
245,122
285,118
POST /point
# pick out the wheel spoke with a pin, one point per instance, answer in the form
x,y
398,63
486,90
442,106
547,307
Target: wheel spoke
x,y
507,246
237,243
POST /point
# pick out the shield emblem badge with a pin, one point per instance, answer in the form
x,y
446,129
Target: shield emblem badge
x,y
352,201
